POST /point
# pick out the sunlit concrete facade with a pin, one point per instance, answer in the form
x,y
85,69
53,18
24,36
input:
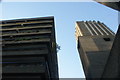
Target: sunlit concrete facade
x,y
94,42
29,49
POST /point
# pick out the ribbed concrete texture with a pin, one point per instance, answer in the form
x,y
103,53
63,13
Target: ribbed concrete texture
x,y
94,42
29,49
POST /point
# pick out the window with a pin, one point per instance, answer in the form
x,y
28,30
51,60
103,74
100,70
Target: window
x,y
78,44
107,39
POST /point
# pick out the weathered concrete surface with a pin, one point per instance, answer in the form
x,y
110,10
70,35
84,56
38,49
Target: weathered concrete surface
x,y
112,69
95,41
24,43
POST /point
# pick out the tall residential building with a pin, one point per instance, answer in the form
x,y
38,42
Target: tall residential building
x,y
29,49
94,42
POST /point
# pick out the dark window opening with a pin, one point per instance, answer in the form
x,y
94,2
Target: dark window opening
x,y
107,39
78,45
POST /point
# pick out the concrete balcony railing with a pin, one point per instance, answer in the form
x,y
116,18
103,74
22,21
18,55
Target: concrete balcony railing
x,y
26,28
22,34
26,23
26,41
33,49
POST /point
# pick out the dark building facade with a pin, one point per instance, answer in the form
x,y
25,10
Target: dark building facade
x,y
110,3
113,71
94,42
29,49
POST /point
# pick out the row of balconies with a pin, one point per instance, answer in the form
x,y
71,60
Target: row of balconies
x,y
29,66
26,31
25,42
27,27
20,47
26,37
26,24
27,20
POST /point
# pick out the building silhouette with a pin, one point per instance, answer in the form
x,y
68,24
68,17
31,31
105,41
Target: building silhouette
x,y
29,49
94,43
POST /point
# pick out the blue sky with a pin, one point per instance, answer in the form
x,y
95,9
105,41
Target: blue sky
x,y
66,14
